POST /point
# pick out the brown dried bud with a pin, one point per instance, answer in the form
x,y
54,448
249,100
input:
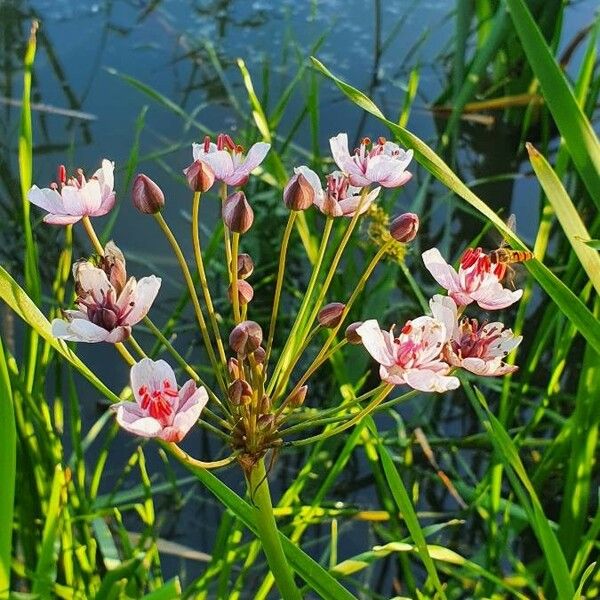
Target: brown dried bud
x,y
146,195
298,193
234,368
245,292
265,422
113,264
239,392
245,266
260,354
237,213
200,176
404,228
246,337
351,336
298,397
265,405
331,314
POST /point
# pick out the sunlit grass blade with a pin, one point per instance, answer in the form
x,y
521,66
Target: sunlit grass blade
x,y
8,460
308,569
46,569
564,298
570,119
567,215
410,516
523,488
121,573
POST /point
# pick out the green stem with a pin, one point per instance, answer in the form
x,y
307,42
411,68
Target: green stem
x,y
202,276
194,297
268,533
235,298
307,297
279,284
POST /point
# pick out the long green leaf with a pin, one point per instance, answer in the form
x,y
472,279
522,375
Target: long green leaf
x,y
410,516
564,298
570,119
8,460
526,493
311,571
567,215
46,569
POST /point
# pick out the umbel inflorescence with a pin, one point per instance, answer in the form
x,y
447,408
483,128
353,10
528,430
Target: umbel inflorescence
x,y
255,396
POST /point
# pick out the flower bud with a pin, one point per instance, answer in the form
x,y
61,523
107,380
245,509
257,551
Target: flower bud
x,y
237,213
404,228
297,399
234,368
245,266
331,314
200,176
245,292
239,392
352,336
146,195
265,405
113,264
265,422
298,193
246,337
260,354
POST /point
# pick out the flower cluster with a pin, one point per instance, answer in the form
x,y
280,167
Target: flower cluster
x,y
428,348
254,400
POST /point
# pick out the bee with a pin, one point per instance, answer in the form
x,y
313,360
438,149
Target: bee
x,y
505,257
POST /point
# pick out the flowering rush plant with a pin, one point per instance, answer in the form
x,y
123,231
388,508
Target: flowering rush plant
x,y
257,397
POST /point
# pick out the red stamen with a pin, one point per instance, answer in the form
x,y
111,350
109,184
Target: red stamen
x,y
62,174
206,143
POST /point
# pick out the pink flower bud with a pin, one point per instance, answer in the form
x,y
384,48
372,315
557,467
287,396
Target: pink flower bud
x,y
146,195
239,392
297,399
200,176
260,354
245,292
298,193
245,266
331,314
234,368
404,228
246,337
351,336
237,213
113,264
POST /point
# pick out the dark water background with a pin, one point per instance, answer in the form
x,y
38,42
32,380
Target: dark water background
x,y
373,45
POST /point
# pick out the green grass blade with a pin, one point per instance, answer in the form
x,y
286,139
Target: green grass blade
x,y
8,464
308,569
564,298
46,569
169,591
570,119
504,445
410,516
567,215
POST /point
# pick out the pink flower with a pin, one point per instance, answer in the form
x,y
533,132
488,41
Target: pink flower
x,y
339,198
159,409
105,310
477,279
474,347
227,160
413,357
71,199
383,162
